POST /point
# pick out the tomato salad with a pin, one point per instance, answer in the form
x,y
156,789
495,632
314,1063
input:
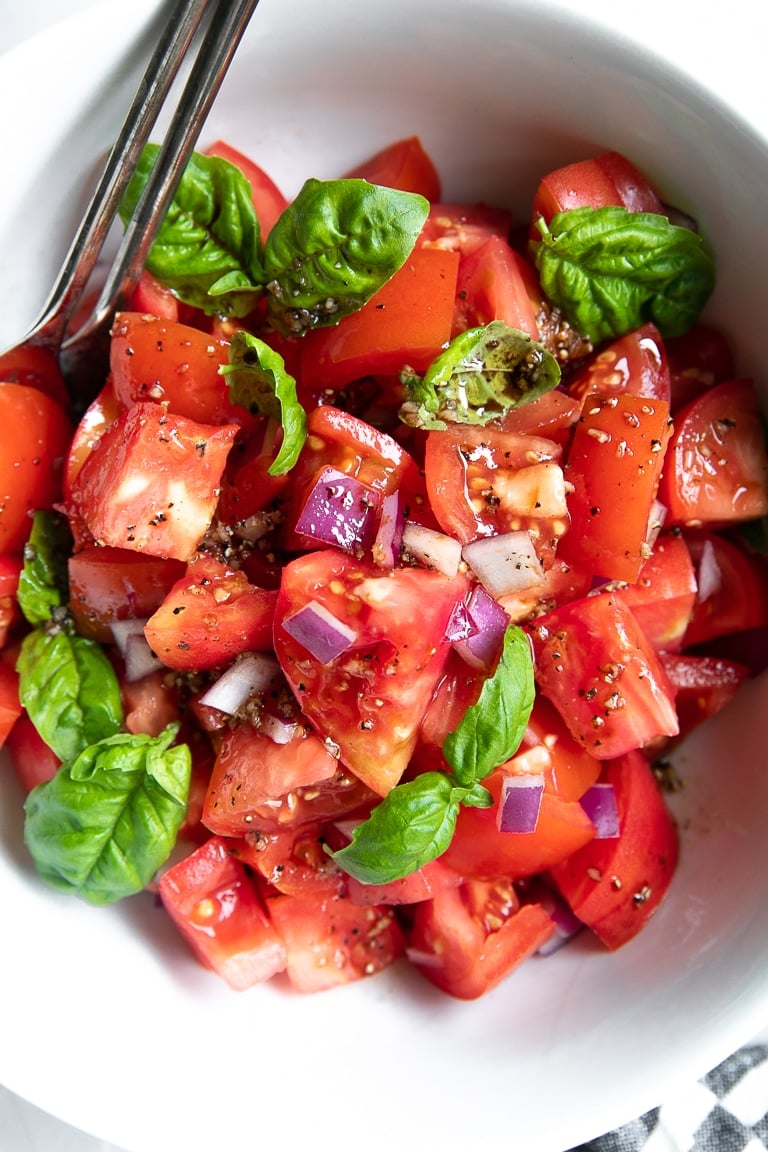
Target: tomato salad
x,y
397,549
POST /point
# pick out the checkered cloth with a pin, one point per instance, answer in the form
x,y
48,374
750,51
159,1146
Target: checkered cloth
x,y
727,1111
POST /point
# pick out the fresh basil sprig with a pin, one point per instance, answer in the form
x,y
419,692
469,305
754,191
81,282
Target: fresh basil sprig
x,y
611,270
327,254
259,381
483,373
106,822
44,581
208,248
334,247
415,822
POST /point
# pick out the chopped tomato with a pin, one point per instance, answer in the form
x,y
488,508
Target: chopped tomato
x,y
404,165
370,698
664,596
732,588
716,469
155,359
406,324
34,438
10,706
467,940
247,488
150,703
483,481
34,366
613,885
252,775
152,299
107,584
552,415
423,884
702,685
605,180
32,760
333,941
294,861
210,616
99,414
464,227
481,851
268,200
697,360
151,481
219,912
614,464
570,768
491,286
596,666
635,363
10,615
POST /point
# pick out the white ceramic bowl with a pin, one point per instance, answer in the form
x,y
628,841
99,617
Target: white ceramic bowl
x,y
106,1020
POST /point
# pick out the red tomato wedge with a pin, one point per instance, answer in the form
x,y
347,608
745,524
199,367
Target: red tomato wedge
x,y
405,324
107,584
614,464
218,910
614,885
404,165
268,200
151,482
596,666
35,367
716,469
664,597
370,698
467,940
491,286
635,363
607,179
732,594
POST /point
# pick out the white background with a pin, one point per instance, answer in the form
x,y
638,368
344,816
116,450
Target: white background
x,y
725,52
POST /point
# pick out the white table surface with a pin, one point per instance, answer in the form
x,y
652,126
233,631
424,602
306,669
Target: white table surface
x,y
691,36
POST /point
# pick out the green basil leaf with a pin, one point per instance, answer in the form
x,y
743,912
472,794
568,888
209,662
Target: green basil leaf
x,y
412,825
483,373
334,247
610,271
259,381
490,730
69,689
44,581
104,824
208,248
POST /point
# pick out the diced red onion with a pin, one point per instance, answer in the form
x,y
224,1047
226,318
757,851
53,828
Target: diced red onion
x,y
506,563
709,577
460,625
279,729
389,535
481,649
599,803
520,803
248,675
138,657
340,510
122,630
431,548
320,632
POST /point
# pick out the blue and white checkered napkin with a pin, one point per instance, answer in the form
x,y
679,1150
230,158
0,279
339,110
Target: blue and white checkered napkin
x,y
726,1111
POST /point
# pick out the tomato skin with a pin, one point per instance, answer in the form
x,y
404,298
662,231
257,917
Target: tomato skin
x,y
614,464
552,416
150,298
10,706
405,165
614,885
702,685
217,908
483,481
491,286
10,614
407,322
332,941
716,469
210,616
697,360
594,663
371,698
605,180
294,861
739,600
251,772
635,363
34,439
664,597
268,200
150,703
102,410
451,943
152,358
35,367
151,481
32,760
480,851
423,884
107,584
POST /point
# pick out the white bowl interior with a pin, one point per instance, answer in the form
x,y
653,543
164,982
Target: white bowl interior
x,y
107,1021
